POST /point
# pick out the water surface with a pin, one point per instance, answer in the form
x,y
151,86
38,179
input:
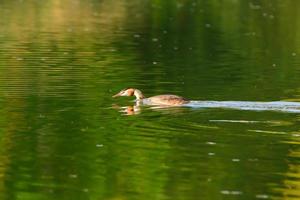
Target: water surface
x,y
64,137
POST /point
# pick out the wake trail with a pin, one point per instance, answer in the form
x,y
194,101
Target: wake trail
x,y
283,106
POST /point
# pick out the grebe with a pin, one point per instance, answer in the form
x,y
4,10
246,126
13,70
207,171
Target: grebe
x,y
163,100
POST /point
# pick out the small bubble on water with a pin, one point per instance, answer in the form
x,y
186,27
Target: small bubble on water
x,y
41,116
211,143
179,5
154,40
262,196
294,54
136,35
235,160
50,190
85,190
236,192
211,154
207,25
73,175
254,7
154,63
227,192
99,145
274,65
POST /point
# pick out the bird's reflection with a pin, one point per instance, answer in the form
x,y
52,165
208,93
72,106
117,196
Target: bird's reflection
x,y
129,110
138,107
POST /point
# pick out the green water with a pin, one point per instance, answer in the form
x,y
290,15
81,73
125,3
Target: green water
x,y
63,137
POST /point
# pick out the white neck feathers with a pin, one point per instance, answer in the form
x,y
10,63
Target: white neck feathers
x,y
138,94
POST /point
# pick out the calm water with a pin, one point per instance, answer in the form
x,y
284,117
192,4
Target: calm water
x,y
63,136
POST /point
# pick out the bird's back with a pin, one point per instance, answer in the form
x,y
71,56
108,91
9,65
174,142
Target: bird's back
x,y
167,100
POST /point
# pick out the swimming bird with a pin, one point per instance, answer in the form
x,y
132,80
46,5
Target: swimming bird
x,y
162,100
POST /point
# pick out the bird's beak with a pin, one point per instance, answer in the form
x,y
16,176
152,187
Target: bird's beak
x,y
116,95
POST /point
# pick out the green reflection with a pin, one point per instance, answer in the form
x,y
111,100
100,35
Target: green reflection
x,y
60,62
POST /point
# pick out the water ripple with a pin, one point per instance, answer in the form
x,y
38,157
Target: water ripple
x,y
282,106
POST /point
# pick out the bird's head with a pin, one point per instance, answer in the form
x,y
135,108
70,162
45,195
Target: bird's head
x,y
125,92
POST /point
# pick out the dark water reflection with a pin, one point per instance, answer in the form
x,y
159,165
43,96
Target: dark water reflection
x,y
63,137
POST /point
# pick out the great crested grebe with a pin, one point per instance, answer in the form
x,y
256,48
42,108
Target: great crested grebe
x,y
163,100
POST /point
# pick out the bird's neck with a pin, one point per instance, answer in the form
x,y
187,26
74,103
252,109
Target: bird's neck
x,y
138,94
